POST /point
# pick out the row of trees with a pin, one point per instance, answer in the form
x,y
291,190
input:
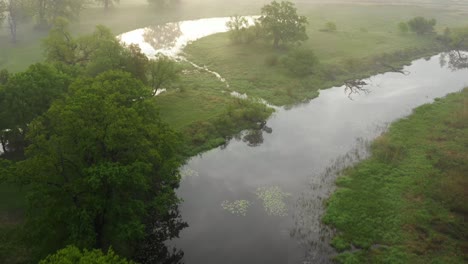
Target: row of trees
x,y
45,12
99,164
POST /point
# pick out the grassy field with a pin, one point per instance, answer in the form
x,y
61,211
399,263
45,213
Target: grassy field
x,y
407,202
366,36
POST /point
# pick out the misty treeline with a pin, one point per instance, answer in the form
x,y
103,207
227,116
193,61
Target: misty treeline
x,y
43,13
82,134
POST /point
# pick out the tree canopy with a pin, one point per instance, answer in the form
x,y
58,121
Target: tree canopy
x,y
99,164
23,97
92,54
282,24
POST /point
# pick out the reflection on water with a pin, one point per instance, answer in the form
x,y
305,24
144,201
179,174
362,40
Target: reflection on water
x,y
313,235
162,36
294,158
454,60
170,38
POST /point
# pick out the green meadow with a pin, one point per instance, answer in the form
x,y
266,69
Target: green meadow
x,y
407,202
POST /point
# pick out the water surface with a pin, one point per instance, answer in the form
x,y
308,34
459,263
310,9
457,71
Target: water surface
x,y
302,143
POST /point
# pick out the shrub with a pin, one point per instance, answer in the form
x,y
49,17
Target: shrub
x,y
329,27
421,25
301,62
403,27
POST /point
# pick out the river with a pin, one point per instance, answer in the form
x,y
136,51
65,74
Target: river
x,y
246,203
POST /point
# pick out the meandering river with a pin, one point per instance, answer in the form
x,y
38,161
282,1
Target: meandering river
x,y
241,200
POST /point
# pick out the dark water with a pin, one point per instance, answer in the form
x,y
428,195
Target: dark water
x,y
302,143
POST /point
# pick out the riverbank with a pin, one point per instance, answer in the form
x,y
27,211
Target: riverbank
x,y
366,43
407,202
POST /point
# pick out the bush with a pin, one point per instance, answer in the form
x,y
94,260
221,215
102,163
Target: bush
x,y
301,62
72,254
421,25
403,27
329,27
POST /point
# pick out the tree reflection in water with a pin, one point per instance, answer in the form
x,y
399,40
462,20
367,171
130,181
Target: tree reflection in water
x,y
162,36
254,137
454,60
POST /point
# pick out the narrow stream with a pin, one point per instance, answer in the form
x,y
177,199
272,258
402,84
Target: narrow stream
x,y
253,202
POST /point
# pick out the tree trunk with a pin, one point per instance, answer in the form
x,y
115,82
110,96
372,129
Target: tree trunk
x,y
276,42
12,25
106,4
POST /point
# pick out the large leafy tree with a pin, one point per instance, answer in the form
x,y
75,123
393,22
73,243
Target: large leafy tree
x,y
101,169
23,97
162,71
282,24
92,54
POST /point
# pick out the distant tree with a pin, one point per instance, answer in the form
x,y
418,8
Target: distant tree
x,y
47,11
108,3
3,10
237,26
16,12
100,168
282,24
330,27
162,71
301,62
421,25
455,40
403,27
162,3
73,255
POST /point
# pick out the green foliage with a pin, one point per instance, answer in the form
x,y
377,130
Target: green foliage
x,y
161,72
403,27
458,38
408,208
237,28
92,54
281,23
100,162
340,244
73,255
329,27
301,62
24,97
421,25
